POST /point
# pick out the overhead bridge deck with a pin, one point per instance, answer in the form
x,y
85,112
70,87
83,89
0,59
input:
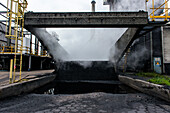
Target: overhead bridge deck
x,y
86,19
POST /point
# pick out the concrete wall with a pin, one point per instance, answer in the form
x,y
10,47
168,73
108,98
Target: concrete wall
x,y
166,48
139,57
155,90
26,86
144,50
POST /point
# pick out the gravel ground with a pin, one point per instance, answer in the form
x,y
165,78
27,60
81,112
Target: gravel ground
x,y
84,103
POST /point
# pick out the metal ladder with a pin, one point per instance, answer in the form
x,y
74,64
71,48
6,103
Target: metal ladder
x,y
15,12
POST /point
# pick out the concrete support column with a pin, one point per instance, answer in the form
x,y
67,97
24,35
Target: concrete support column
x,y
41,65
31,44
157,50
42,50
151,50
29,68
36,46
163,57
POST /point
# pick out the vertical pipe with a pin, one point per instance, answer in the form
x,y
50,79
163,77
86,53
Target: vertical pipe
x,y
29,68
16,39
41,49
41,66
93,5
146,8
153,19
9,24
35,49
163,54
151,44
166,10
30,43
37,46
11,67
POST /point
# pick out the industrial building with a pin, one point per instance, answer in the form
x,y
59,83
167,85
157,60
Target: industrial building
x,y
151,51
98,86
147,52
34,56
143,47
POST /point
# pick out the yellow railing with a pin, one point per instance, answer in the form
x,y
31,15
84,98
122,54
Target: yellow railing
x,y
7,49
11,49
164,15
25,50
15,13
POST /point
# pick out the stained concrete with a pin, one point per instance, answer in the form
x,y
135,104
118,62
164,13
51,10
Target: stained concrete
x,y
4,75
123,44
149,88
86,19
84,103
25,86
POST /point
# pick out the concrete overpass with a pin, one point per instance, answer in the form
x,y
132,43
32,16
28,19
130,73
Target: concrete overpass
x,y
91,19
137,22
86,19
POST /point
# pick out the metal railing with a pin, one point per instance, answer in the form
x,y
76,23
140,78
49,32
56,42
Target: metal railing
x,y
15,12
163,6
25,50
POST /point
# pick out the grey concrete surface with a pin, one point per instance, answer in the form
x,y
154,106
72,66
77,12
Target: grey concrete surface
x,y
86,19
84,103
124,43
25,87
149,88
4,75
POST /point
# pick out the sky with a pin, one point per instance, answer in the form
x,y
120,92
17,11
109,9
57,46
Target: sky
x,y
65,5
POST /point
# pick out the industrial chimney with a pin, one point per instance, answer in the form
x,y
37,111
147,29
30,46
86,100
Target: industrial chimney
x,y
93,5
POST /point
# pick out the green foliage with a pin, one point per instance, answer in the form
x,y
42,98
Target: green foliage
x,y
156,78
160,80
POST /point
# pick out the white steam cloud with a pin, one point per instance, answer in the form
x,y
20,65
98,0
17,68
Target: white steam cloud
x,y
50,42
136,5
88,44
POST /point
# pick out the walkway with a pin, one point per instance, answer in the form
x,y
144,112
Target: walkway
x,y
4,76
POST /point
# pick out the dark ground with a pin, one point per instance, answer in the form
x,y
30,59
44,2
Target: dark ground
x,y
84,103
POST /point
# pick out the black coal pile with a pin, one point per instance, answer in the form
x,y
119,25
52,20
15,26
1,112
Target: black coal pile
x,y
85,70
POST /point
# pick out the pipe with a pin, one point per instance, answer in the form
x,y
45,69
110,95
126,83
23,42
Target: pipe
x,y
93,5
